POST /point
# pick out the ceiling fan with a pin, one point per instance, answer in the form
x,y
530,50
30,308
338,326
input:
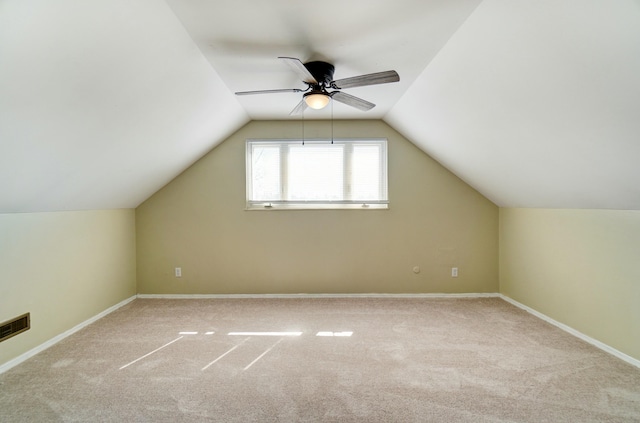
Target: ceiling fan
x,y
319,79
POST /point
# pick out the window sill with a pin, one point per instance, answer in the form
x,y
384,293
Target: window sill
x,y
317,206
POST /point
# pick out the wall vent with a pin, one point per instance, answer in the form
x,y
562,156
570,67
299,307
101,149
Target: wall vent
x,y
15,326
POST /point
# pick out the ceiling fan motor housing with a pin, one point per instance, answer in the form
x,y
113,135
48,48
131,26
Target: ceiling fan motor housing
x,y
321,71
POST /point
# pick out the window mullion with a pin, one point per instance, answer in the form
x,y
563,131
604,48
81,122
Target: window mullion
x,y
347,171
284,171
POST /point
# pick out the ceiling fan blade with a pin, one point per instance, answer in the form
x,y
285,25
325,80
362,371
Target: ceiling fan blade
x,y
301,107
352,101
299,68
285,90
369,79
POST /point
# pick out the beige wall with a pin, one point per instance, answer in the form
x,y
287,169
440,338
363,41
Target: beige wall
x,y
198,223
63,268
579,267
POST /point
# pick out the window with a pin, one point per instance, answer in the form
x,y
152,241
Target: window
x,y
317,174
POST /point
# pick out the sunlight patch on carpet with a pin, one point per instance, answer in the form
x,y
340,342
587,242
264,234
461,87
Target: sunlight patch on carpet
x,y
265,333
343,333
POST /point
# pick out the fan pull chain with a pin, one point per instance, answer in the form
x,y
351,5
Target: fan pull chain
x,y
331,121
302,127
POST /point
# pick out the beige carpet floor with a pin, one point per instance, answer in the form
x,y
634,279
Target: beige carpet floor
x,y
377,360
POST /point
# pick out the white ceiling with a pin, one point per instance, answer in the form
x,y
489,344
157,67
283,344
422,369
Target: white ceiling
x,y
101,103
243,38
534,103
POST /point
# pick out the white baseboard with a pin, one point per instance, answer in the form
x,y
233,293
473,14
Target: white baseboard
x,y
302,295
23,357
604,347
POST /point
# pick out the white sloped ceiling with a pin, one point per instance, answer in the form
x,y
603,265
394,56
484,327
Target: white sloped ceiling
x,y
536,104
533,103
101,103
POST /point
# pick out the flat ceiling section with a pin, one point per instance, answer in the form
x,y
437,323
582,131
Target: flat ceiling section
x,y
242,40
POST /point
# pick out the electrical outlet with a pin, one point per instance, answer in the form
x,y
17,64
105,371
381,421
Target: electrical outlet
x,y
454,272
178,272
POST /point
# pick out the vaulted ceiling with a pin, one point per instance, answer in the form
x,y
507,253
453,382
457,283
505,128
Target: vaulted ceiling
x,y
533,103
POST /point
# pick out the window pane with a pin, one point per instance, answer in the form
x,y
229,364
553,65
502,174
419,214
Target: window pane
x,y
365,173
265,168
288,174
315,172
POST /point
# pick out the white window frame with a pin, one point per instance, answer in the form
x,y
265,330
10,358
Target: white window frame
x,y
382,203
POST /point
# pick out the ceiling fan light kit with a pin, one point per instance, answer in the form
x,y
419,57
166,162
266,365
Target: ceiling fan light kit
x,y
316,100
319,77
